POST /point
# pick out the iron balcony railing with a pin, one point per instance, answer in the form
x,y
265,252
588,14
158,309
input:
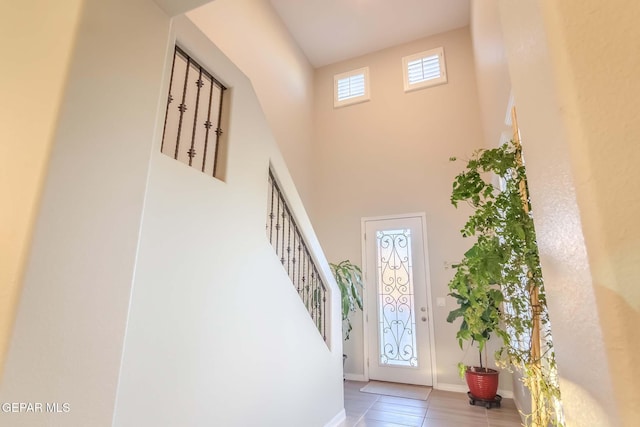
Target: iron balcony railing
x,y
192,126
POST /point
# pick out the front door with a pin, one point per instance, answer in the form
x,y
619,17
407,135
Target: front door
x,y
397,303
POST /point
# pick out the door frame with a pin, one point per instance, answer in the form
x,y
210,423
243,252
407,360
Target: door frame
x,y
427,271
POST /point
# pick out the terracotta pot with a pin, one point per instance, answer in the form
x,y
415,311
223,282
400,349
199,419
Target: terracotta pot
x,y
482,382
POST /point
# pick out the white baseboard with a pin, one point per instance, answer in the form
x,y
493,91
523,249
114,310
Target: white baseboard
x,y
507,394
355,377
461,388
335,421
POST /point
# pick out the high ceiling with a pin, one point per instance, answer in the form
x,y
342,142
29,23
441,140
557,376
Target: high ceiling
x,y
329,31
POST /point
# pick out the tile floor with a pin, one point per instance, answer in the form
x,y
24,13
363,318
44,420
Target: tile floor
x,y
441,409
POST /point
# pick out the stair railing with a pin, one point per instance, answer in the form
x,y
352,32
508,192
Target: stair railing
x,y
289,244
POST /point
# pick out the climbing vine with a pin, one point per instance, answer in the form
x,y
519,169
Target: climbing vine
x,y
500,276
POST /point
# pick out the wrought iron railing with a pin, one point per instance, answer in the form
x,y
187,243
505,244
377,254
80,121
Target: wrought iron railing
x,y
192,126
289,245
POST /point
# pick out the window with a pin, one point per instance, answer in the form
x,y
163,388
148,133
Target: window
x,y
192,130
351,87
424,69
397,318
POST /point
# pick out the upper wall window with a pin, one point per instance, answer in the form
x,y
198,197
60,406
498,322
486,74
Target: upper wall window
x,y
192,130
424,69
351,87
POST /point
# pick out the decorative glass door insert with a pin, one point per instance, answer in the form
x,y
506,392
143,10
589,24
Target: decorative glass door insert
x,y
396,314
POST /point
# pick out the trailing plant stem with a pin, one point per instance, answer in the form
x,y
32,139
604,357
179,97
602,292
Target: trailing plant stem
x,y
498,284
540,417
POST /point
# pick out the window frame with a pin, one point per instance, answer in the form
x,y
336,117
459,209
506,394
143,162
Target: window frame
x,y
354,99
439,52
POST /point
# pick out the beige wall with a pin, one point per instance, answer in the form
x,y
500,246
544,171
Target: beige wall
x,y
574,69
135,270
217,334
390,156
252,35
69,331
492,71
36,38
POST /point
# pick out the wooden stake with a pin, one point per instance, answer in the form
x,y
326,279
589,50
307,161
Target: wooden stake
x,y
536,367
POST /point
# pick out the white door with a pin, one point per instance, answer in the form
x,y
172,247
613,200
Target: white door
x,y
397,302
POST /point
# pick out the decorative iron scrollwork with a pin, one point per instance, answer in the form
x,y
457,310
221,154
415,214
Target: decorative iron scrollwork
x,y
396,315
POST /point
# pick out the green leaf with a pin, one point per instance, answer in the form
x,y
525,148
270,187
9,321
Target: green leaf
x,y
493,281
349,280
462,368
454,314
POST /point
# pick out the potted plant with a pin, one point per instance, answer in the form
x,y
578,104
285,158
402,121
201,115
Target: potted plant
x,y
498,284
473,287
349,279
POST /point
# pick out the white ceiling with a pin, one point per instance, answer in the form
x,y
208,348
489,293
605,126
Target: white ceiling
x,y
329,31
